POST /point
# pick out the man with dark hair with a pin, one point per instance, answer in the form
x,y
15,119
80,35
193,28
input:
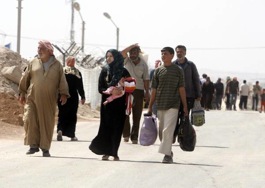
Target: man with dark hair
x,y
244,92
192,80
219,93
167,90
203,80
255,96
138,69
233,88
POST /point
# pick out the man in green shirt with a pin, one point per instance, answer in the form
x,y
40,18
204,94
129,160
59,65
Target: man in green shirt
x,y
167,90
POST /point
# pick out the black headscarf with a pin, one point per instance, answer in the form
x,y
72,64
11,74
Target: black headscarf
x,y
116,67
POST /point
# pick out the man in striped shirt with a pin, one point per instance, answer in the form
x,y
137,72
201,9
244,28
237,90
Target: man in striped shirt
x,y
167,90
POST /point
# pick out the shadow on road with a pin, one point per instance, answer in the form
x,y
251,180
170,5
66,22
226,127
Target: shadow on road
x,y
219,147
132,161
173,163
69,140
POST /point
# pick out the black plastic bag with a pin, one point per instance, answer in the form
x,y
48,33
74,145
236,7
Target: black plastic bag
x,y
186,135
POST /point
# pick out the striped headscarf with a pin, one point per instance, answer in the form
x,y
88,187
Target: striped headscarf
x,y
46,44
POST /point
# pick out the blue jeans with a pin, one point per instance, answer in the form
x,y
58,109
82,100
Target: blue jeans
x,y
255,102
233,98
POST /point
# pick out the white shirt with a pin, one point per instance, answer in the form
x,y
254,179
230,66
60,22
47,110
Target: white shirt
x,y
244,90
139,71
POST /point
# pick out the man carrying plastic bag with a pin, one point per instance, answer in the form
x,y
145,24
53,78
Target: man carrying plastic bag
x,y
167,89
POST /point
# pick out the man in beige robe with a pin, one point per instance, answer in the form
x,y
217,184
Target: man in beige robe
x,y
39,88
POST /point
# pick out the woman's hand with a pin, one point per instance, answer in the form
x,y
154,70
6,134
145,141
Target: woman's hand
x,y
63,99
83,101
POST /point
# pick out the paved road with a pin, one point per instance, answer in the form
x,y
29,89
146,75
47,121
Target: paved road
x,y
230,152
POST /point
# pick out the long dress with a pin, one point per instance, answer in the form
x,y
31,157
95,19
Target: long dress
x,y
112,117
67,116
41,88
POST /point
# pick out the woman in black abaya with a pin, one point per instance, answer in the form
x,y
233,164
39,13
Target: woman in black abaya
x,y
112,115
67,115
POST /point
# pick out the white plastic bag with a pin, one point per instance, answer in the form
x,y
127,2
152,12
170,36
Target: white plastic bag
x,y
197,114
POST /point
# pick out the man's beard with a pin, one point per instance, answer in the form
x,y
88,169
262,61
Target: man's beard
x,y
180,58
134,59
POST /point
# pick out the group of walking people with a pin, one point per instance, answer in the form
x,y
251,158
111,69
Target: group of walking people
x,y
214,93
233,90
46,84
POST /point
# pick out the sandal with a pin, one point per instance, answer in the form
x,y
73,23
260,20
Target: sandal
x,y
74,139
116,158
59,136
105,157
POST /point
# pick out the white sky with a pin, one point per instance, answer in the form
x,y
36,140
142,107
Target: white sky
x,y
224,35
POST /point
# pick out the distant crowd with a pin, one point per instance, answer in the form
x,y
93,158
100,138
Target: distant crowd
x,y
231,94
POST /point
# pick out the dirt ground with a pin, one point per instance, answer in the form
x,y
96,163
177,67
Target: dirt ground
x,y
11,113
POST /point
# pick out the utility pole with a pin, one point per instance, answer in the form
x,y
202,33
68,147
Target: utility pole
x,y
72,32
117,29
19,26
77,8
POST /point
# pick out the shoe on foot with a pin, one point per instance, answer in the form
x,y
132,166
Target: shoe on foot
x,y
46,153
134,142
59,136
105,157
32,151
126,139
74,139
116,158
167,159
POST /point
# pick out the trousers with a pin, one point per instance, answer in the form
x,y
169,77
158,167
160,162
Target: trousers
x,y
167,124
137,109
